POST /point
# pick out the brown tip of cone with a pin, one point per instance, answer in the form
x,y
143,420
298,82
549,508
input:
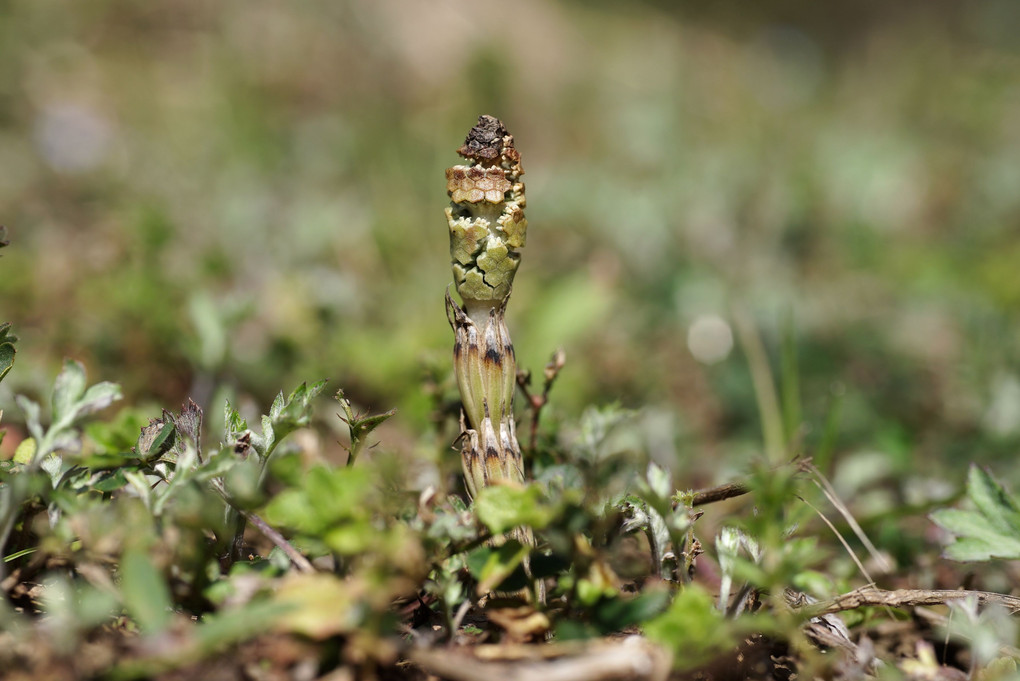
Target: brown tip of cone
x,y
484,143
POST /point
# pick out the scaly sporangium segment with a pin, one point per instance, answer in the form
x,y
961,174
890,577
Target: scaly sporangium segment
x,y
487,226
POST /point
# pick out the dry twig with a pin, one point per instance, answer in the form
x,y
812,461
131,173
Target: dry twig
x,y
908,598
630,658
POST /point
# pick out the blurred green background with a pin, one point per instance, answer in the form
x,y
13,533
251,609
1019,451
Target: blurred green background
x,y
251,194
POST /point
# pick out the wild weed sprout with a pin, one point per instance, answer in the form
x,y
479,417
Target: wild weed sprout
x,y
487,226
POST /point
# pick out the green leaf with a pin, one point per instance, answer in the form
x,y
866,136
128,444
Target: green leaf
x,y
141,487
217,631
597,424
242,483
296,411
574,630
216,465
277,408
97,397
966,549
619,612
548,565
321,605
118,435
503,507
25,451
983,541
359,425
991,531
491,567
692,628
659,480
18,554
7,351
67,390
326,497
993,501
157,438
32,415
146,595
232,421
112,482
351,538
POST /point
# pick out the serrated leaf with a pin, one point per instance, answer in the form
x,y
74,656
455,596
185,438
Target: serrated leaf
x,y
359,426
232,421
315,388
993,501
277,408
189,421
659,480
975,526
992,531
67,390
966,550
369,423
96,398
296,411
268,435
